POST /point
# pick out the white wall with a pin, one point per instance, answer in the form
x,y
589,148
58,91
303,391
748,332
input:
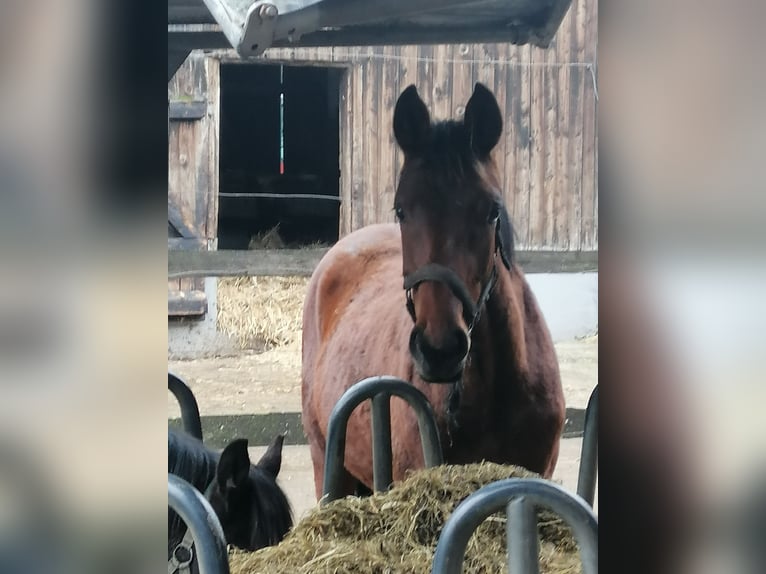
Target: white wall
x,y
569,302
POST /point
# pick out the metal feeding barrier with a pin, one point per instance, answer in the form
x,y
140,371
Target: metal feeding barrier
x,y
519,496
379,390
190,418
586,478
206,530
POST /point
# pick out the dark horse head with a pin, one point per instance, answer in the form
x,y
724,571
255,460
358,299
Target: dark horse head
x,y
253,510
455,229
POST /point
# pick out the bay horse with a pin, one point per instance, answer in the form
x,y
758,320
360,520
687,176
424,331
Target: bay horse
x,y
253,510
437,300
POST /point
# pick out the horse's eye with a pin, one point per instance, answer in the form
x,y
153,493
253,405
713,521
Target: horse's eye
x,y
494,213
399,212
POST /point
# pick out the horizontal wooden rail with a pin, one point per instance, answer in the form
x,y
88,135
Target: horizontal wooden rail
x,y
302,262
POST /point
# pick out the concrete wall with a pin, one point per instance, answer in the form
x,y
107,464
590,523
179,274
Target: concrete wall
x,y
569,302
194,338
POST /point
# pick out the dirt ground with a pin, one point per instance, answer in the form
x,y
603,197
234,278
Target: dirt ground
x,y
269,382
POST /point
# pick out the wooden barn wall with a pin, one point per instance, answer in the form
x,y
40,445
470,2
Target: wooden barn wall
x,y
547,157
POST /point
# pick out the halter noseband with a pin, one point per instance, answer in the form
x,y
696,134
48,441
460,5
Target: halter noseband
x,y
442,274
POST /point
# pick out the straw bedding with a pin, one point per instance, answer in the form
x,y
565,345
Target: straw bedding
x,y
397,531
261,312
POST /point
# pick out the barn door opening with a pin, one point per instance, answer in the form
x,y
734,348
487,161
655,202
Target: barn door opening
x,y
279,147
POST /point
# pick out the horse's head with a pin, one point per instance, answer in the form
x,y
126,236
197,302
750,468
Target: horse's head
x,y
252,508
453,226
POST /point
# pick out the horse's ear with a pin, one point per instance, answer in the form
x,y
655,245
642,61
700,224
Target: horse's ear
x,y
483,121
271,461
504,238
412,122
234,465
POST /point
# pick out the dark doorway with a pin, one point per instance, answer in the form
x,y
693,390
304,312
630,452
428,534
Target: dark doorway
x,y
279,148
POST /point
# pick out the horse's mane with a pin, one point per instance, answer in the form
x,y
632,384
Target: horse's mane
x,y
190,460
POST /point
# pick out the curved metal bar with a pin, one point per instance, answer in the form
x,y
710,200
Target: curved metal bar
x,y
586,478
371,388
189,408
450,550
200,518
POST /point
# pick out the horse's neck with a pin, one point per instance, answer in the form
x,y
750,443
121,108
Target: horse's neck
x,y
499,342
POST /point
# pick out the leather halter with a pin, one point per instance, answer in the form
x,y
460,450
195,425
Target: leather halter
x,y
441,274
183,554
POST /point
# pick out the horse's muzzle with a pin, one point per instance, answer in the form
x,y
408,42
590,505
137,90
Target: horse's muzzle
x,y
443,364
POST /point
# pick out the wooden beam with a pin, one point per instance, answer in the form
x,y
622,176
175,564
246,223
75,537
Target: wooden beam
x,y
302,262
186,303
175,218
260,262
192,110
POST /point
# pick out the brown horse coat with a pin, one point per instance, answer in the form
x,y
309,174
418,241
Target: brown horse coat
x,y
356,325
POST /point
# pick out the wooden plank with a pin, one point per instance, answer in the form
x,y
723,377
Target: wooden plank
x,y
372,91
387,174
537,146
499,87
441,108
346,151
358,147
484,72
518,146
408,75
178,221
577,77
462,79
283,262
509,106
562,199
214,137
425,78
302,262
186,303
182,110
550,99
589,218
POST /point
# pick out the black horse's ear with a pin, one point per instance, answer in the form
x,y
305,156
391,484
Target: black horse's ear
x,y
412,122
271,461
483,121
234,465
504,238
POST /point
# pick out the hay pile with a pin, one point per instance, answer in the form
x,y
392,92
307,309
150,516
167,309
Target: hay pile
x,y
261,312
396,532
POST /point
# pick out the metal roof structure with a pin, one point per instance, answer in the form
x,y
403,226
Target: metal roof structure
x,y
253,26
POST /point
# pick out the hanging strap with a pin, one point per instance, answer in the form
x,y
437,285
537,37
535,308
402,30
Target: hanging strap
x,y
182,556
